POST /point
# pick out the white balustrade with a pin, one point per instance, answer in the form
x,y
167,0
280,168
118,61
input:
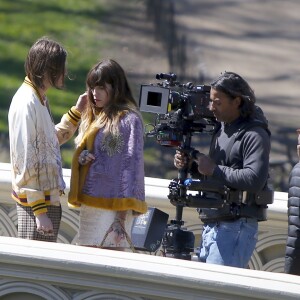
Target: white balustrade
x,y
42,270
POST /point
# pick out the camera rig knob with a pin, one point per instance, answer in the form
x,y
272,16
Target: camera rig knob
x,y
170,76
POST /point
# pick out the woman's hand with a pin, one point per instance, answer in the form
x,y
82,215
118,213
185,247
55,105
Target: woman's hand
x,y
85,157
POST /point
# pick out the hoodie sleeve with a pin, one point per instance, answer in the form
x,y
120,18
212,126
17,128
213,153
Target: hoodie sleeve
x,y
252,176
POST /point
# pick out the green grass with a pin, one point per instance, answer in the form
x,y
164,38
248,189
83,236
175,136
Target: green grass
x,y
75,24
80,26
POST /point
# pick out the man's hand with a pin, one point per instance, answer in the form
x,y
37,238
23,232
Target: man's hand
x,y
44,225
82,102
182,160
206,165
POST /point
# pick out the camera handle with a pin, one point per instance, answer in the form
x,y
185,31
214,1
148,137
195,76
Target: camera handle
x,y
182,175
177,242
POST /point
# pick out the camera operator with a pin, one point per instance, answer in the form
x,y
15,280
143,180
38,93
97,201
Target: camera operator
x,y
238,161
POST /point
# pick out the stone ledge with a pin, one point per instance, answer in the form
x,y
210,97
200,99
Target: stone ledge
x,y
153,277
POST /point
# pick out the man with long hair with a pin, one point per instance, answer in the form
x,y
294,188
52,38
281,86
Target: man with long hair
x,y
37,180
239,160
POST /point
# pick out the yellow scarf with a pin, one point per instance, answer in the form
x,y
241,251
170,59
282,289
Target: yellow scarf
x,y
79,172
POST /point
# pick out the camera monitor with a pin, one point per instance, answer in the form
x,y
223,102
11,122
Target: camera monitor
x,y
154,99
148,229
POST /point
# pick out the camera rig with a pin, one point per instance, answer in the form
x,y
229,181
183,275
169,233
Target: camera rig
x,y
182,111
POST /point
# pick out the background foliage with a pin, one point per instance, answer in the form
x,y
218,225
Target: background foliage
x,y
73,23
194,39
90,31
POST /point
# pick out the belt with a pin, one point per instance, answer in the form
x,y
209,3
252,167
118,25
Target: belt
x,y
241,211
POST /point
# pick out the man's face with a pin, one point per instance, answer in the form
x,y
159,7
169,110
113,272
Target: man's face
x,y
224,108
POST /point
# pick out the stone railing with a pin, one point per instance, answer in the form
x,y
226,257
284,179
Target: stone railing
x,y
35,270
59,271
268,255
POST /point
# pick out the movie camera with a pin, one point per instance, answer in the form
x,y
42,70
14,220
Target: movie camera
x,y
181,111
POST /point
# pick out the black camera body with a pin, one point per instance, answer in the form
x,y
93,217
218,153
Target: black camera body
x,y
179,242
181,109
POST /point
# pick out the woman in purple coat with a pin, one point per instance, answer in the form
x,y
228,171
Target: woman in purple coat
x,y
107,181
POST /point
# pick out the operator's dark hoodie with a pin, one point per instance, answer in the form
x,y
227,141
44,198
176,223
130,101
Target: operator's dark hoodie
x,y
241,165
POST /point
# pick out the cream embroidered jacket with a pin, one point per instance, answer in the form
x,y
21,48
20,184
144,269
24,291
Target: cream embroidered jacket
x,y
37,179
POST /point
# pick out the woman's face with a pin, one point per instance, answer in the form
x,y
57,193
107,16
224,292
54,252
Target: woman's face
x,y
102,95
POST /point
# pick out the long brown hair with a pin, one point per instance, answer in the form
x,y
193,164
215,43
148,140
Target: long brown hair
x,y
234,86
107,71
46,59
